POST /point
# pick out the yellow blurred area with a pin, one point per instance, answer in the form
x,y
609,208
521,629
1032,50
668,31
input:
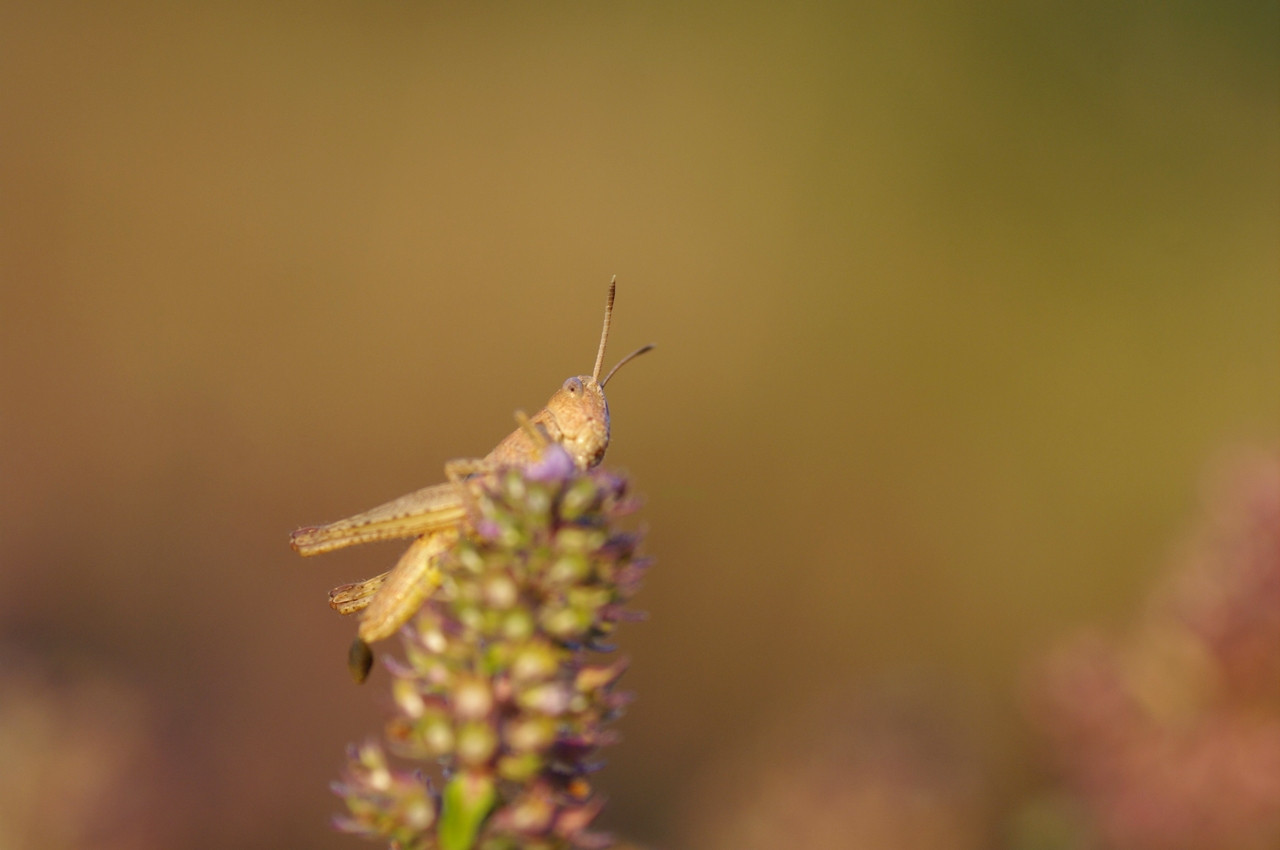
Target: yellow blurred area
x,y
954,303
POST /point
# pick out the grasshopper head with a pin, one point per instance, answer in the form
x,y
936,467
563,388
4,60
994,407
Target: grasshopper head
x,y
581,415
577,416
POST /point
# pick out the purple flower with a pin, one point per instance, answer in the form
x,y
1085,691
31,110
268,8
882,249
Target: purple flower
x,y
501,683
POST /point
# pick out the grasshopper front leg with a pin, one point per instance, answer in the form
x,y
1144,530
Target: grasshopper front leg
x,y
536,433
458,471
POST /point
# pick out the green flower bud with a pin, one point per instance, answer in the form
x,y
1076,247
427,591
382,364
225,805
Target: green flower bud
x,y
477,742
498,681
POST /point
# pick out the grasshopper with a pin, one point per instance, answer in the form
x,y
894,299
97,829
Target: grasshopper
x,y
576,418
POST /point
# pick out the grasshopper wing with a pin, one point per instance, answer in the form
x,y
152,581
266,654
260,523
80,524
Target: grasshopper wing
x,y
423,511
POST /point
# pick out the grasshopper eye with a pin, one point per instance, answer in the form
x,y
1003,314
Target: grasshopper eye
x,y
573,386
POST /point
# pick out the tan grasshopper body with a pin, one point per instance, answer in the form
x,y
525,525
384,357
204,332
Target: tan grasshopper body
x,y
576,417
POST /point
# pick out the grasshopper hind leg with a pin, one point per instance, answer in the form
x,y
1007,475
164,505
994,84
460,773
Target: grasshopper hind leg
x,y
386,602
406,586
359,660
351,598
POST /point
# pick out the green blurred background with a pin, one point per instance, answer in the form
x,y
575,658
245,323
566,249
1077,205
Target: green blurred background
x,y
954,303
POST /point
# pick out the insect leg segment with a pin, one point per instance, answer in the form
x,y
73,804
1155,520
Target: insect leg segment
x,y
359,660
460,469
458,472
406,587
350,598
537,434
420,512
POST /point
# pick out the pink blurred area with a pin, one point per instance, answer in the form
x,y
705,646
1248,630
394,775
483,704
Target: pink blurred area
x,y
953,303
1167,735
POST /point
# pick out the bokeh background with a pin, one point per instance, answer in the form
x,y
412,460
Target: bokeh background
x,y
955,304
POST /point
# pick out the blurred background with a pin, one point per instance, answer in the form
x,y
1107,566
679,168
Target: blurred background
x,y
955,306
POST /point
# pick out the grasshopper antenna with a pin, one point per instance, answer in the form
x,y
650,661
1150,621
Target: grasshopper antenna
x,y
632,356
604,334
